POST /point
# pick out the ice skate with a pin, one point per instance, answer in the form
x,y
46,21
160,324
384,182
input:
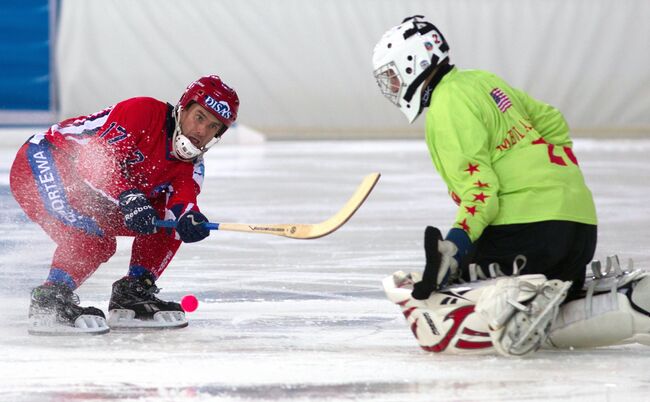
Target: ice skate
x,y
134,306
55,310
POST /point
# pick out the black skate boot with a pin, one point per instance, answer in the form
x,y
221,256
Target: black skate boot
x,y
134,305
55,310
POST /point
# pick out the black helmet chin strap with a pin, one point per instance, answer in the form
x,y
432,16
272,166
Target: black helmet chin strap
x,y
410,91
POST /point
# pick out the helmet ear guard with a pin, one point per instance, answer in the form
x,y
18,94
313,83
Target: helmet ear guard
x,y
404,58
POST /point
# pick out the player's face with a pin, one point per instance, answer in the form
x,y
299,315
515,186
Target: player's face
x,y
389,83
199,125
393,80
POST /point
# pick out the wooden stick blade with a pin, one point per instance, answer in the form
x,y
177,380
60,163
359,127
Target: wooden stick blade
x,y
312,231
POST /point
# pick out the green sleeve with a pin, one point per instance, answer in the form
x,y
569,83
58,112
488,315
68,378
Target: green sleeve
x,y
547,120
458,141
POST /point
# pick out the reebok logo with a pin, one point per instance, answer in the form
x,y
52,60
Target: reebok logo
x,y
138,210
129,198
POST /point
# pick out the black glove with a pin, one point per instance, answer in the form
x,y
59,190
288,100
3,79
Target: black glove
x,y
139,215
441,266
422,290
190,227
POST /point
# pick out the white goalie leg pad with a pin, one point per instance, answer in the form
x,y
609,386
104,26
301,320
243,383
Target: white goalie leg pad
x,y
124,319
519,311
619,316
640,300
47,324
446,321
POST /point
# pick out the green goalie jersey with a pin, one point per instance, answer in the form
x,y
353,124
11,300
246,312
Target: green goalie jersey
x,y
505,157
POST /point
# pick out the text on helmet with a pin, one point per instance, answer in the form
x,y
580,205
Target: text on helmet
x,y
220,107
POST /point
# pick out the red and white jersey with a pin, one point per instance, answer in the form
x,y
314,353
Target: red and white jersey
x,y
127,146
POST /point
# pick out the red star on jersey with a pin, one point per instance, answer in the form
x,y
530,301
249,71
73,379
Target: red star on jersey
x,y
479,184
471,210
472,168
481,197
464,225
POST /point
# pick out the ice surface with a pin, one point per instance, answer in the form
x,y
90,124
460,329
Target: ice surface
x,y
290,320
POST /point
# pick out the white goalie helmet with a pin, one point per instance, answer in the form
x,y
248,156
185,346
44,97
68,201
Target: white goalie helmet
x,y
404,58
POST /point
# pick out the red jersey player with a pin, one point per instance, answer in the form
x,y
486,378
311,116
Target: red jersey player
x,y
113,173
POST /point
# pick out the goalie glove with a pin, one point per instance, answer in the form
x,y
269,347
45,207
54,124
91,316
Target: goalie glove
x,y
139,215
441,266
462,242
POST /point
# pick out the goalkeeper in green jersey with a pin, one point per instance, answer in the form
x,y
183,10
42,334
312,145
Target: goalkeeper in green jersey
x,y
506,158
526,223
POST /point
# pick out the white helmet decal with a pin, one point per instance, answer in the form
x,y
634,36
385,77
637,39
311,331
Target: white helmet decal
x,y
221,107
404,58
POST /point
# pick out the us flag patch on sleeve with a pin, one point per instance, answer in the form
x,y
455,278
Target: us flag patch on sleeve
x,y
501,99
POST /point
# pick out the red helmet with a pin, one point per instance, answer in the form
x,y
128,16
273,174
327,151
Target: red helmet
x,y
217,97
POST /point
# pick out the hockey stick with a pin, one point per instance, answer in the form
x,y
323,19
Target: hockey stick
x,y
299,230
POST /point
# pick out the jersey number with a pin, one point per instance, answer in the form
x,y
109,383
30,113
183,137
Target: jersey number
x,y
557,159
137,158
121,133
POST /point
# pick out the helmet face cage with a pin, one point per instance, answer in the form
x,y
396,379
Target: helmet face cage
x,y
390,83
412,50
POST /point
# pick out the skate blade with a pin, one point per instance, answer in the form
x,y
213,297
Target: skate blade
x,y
124,320
47,325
